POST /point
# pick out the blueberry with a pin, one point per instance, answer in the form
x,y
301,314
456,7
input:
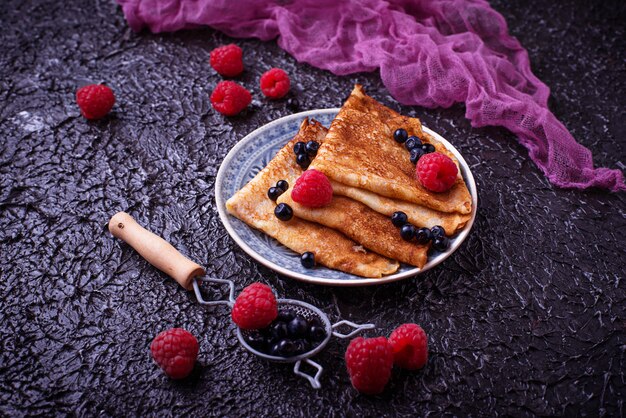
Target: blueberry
x,y
274,192
297,327
437,231
407,232
301,346
399,218
316,333
283,185
423,235
412,142
299,148
285,315
256,340
400,135
283,212
283,348
303,161
428,148
441,243
293,104
278,330
308,260
416,153
315,321
312,147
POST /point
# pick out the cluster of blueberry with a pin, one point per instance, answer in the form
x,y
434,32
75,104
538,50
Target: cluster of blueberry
x,y
281,187
304,152
288,335
422,235
413,144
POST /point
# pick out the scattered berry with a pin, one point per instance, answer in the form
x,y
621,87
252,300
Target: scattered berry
x,y
410,346
423,235
95,100
227,60
412,142
303,161
400,136
441,243
369,362
293,104
274,192
255,307
436,172
416,153
312,189
399,218
438,231
229,98
175,351
283,185
308,260
428,148
299,148
283,212
275,83
407,232
312,147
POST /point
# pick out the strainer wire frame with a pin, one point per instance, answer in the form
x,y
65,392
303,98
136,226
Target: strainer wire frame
x,y
301,306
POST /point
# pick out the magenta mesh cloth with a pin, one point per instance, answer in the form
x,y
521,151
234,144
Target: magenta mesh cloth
x,y
430,53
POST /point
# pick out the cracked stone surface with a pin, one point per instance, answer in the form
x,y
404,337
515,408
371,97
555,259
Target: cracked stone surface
x,y
527,318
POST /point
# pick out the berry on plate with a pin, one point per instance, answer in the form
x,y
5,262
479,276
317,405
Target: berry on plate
x,y
175,351
275,83
410,346
436,172
369,362
312,189
400,136
307,259
229,98
283,212
399,218
95,100
227,60
255,307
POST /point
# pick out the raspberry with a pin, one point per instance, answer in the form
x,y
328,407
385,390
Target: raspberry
x,y
275,83
410,346
229,98
255,307
175,351
436,172
312,189
95,100
226,60
369,362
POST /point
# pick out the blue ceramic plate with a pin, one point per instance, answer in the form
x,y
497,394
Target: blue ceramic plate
x,y
253,153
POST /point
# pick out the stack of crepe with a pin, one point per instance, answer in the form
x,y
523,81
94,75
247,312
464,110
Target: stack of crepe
x,y
372,177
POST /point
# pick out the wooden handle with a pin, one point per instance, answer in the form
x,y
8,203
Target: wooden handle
x,y
158,252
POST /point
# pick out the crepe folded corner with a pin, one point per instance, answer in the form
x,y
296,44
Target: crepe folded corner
x,y
331,248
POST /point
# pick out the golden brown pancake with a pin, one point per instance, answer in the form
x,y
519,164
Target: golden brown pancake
x,y
418,215
331,248
364,225
359,151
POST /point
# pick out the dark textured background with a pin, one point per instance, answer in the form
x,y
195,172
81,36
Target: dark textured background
x,y
527,318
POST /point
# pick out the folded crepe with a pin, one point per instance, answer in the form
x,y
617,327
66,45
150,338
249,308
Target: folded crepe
x,y
359,151
331,248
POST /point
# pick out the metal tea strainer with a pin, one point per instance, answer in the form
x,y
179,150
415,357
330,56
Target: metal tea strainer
x,y
190,275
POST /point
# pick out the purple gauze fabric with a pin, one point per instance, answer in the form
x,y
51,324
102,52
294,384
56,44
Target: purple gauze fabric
x,y
430,53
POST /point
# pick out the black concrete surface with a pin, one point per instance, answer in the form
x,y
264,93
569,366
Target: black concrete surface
x,y
527,318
